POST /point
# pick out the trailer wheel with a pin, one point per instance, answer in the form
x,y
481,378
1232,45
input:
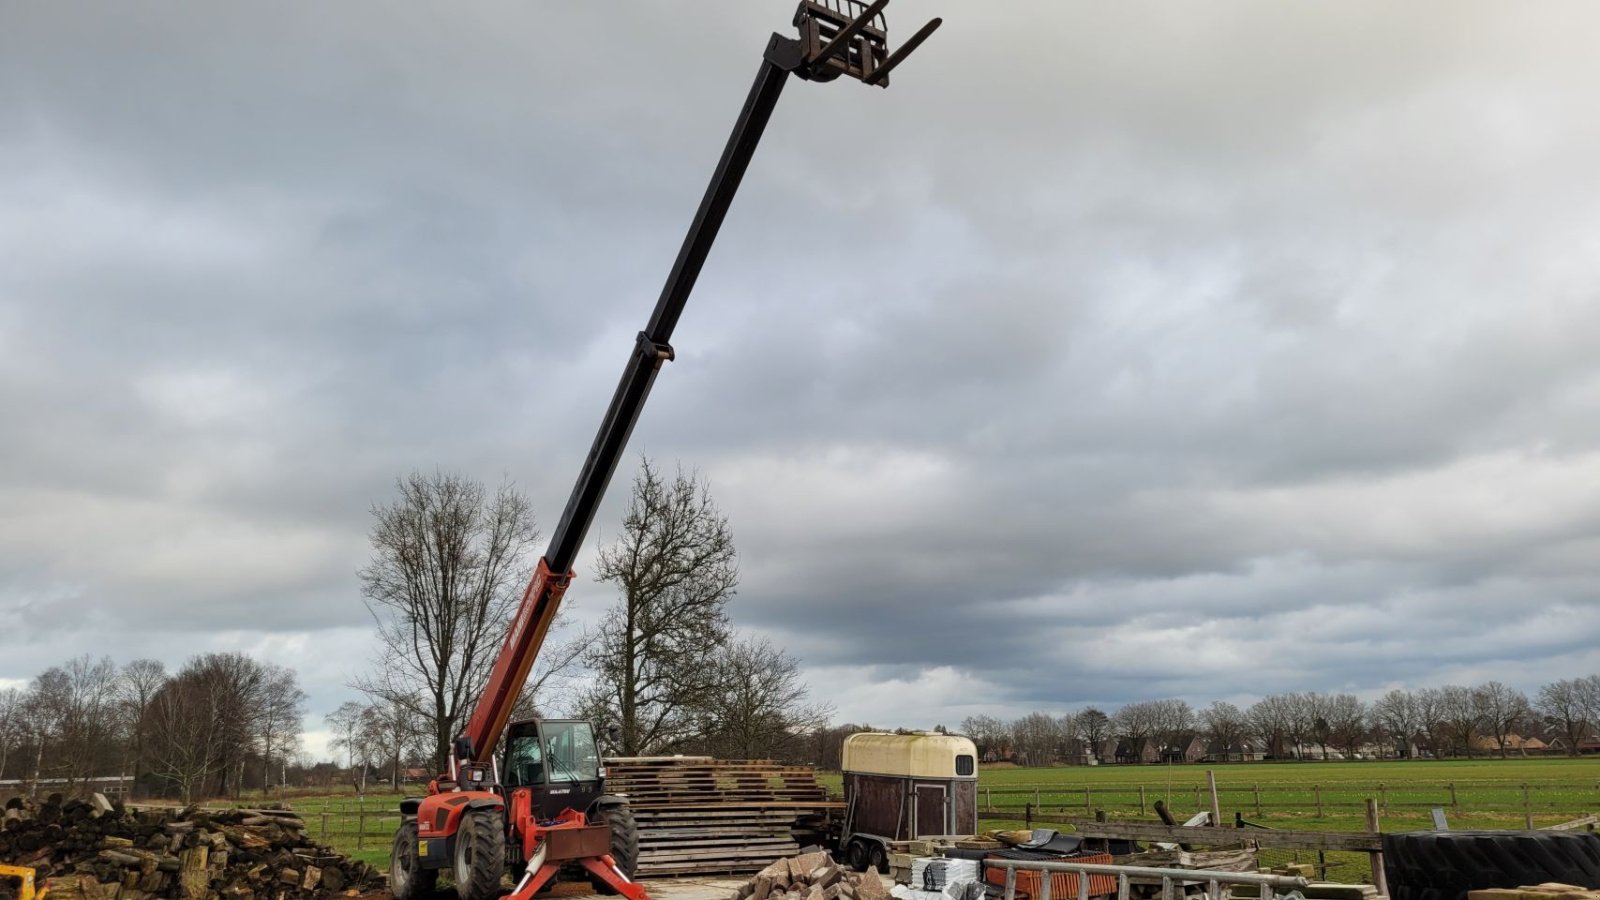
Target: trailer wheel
x,y
408,880
879,858
480,854
855,855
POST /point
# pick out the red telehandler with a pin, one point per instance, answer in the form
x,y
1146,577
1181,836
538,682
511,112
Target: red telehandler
x,y
541,804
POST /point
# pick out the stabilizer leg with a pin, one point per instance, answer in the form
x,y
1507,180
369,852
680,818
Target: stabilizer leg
x,y
534,881
605,868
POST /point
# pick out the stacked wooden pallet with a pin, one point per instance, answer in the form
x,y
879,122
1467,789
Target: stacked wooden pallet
x,y
704,816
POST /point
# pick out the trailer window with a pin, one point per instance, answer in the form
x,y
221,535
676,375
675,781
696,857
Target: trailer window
x,y
964,765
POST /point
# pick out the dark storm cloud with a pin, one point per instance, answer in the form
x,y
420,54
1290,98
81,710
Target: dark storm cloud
x,y
1117,351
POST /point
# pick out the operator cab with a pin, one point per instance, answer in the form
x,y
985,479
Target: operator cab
x,y
549,753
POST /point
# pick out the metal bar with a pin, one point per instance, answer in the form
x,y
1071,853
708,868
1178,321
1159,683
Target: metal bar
x,y
899,55
1010,865
1166,887
1083,886
1011,884
1045,885
634,388
1122,887
846,34
1213,889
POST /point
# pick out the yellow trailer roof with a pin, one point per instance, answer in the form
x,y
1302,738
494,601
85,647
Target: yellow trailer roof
x,y
923,755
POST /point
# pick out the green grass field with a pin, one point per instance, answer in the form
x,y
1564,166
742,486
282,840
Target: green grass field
x,y
1488,793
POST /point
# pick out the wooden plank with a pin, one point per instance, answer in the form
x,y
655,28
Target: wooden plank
x,y
1587,822
1225,837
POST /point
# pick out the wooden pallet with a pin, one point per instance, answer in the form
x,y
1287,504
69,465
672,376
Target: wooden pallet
x,y
703,816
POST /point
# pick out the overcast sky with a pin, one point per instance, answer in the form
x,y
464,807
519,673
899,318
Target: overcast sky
x,y
1119,350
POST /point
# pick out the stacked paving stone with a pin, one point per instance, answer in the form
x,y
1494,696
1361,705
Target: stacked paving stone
x,y
812,876
98,850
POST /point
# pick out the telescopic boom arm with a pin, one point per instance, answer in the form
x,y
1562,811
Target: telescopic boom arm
x,y
837,37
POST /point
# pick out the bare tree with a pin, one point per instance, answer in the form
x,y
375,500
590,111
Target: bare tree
x,y
1173,721
1095,726
1433,729
675,566
1036,736
1460,715
1269,719
988,734
346,724
136,689
1501,710
1226,728
1398,717
12,725
1137,723
394,732
759,705
1346,716
184,727
448,569
277,718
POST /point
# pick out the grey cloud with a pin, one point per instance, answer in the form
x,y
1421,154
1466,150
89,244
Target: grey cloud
x,y
1106,326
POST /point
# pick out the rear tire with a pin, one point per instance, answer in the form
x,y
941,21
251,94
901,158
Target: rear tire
x,y
480,854
624,841
408,880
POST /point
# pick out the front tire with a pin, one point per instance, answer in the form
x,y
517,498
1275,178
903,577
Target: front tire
x,y
480,861
408,880
624,841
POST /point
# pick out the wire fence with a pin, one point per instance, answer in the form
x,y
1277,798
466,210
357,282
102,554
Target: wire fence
x,y
1261,800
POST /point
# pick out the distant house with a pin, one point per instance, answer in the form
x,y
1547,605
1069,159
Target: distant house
x,y
1241,749
1143,750
1075,752
1515,743
1185,748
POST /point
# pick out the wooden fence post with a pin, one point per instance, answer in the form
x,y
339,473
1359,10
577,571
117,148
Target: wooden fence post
x,y
1527,808
1318,789
1088,800
1141,801
1036,796
1453,804
1197,798
361,825
1383,796
1256,789
988,800
324,824
1216,808
1379,879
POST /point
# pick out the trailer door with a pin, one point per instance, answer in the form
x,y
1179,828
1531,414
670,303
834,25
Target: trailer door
x,y
931,815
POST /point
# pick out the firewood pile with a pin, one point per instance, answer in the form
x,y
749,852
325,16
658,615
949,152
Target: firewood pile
x,y
812,876
97,850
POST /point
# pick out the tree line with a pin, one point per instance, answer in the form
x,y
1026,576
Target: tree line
x,y
1454,720
222,723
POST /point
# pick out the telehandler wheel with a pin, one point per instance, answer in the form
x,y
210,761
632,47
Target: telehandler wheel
x,y
480,854
624,841
408,880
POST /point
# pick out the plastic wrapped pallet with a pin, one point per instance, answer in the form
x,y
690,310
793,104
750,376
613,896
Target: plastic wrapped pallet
x,y
937,878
